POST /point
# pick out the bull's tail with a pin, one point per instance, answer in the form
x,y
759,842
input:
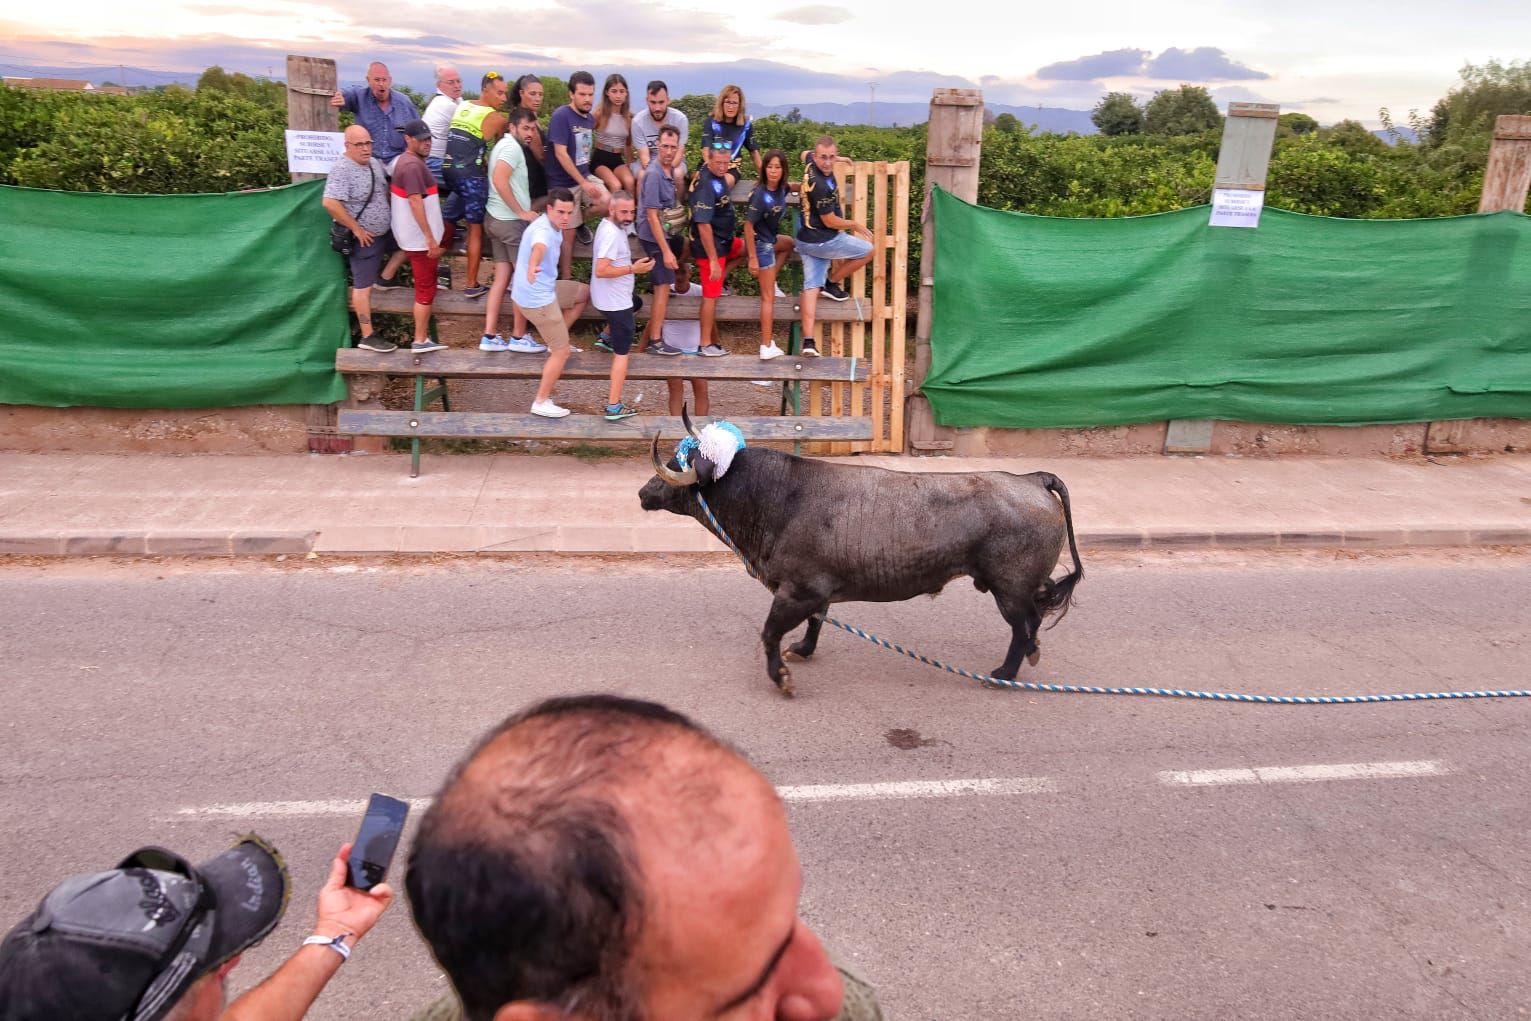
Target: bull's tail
x,y
1057,594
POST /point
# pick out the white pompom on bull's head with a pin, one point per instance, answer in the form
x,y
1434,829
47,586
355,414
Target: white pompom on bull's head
x,y
700,458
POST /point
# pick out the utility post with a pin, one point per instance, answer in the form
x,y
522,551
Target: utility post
x,y
1243,161
954,138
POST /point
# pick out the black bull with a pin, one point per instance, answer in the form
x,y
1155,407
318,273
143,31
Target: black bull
x,y
821,533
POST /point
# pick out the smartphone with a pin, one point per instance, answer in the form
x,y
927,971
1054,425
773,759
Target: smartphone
x,y
372,852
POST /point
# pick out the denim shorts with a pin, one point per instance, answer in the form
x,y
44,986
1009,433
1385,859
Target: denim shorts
x,y
765,253
818,255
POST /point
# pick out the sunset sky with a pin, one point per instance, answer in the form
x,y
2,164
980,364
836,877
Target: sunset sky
x,y
1329,59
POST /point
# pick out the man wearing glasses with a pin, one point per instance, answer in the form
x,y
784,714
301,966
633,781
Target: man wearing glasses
x,y
439,113
356,197
155,938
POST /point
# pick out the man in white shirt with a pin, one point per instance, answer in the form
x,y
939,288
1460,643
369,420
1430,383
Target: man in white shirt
x,y
646,128
439,112
611,289
549,304
684,337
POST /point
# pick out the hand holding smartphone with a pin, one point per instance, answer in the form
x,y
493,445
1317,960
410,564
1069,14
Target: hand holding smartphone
x,y
376,841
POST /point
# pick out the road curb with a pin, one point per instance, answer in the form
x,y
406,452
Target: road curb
x,y
405,540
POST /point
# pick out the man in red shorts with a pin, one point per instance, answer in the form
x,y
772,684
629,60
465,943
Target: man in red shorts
x,y
415,212
713,243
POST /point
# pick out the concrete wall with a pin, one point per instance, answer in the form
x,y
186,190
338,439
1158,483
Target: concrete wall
x,y
1473,436
266,429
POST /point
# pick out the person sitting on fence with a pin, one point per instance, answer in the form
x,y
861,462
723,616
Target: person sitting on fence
x,y
570,140
831,247
604,857
713,243
550,304
728,123
510,210
684,337
380,109
476,126
356,197
613,134
439,113
155,938
611,291
418,229
764,244
661,229
647,126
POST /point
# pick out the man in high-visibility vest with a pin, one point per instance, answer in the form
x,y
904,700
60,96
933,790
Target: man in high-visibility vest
x,y
475,127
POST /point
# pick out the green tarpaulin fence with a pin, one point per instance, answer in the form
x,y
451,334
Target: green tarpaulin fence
x,y
1044,322
169,301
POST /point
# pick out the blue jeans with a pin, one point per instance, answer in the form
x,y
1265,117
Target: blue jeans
x,y
817,255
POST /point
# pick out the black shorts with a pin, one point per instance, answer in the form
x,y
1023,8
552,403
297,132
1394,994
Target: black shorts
x,y
661,275
620,331
609,160
367,260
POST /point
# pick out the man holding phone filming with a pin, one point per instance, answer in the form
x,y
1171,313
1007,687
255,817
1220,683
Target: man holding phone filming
x,y
155,938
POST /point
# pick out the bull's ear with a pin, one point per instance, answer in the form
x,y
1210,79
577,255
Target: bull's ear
x,y
704,470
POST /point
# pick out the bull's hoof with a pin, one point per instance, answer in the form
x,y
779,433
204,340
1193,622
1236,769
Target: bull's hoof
x,y
795,654
784,682
1033,656
999,673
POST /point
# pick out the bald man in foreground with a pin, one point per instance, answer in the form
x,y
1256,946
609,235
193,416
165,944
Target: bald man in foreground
x,y
604,859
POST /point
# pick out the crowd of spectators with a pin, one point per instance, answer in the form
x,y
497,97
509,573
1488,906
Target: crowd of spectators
x,y
489,163
592,858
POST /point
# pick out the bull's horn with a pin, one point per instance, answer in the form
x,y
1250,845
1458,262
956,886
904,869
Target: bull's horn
x,y
670,475
686,418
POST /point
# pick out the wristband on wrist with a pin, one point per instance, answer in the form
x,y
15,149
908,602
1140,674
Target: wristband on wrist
x,y
335,943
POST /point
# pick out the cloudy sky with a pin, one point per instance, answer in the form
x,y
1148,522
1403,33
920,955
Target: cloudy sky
x,y
1330,58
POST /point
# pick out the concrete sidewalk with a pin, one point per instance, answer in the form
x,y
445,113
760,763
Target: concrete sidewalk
x,y
504,503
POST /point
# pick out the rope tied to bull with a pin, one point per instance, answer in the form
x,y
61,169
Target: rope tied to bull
x,y
1094,689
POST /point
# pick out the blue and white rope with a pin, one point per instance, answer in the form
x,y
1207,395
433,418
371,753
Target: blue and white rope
x,y
1093,689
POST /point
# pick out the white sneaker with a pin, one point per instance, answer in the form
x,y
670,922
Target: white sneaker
x,y
779,292
769,351
762,382
525,345
547,409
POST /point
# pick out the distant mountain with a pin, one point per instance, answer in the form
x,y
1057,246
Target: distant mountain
x,y
1407,134
117,74
1041,118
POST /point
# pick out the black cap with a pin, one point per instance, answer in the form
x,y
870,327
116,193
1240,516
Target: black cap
x,y
418,130
125,945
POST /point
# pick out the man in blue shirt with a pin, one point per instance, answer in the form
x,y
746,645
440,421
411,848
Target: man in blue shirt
x,y
831,246
550,304
380,109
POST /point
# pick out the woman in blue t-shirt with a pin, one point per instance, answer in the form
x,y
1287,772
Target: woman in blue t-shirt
x,y
728,122
764,242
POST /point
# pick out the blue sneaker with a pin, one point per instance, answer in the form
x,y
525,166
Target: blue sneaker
x,y
525,346
617,412
476,291
492,342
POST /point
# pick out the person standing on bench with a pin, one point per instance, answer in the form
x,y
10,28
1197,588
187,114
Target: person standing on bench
x,y
509,211
684,337
356,197
832,247
661,229
764,244
415,213
713,243
571,137
611,290
475,127
381,109
550,304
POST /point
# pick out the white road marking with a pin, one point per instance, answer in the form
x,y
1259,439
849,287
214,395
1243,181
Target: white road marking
x,y
814,792
915,789
1304,774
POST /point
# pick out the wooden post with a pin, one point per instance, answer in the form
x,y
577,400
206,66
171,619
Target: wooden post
x,y
1507,178
310,86
1243,161
954,138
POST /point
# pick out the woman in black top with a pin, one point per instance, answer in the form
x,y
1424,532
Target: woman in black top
x,y
765,244
728,122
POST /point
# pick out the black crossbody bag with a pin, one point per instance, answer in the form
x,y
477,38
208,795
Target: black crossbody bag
x,y
342,239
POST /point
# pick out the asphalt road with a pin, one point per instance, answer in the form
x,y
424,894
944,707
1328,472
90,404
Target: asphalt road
x,y
1125,879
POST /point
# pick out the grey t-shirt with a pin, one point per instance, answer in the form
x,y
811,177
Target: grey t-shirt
x,y
645,130
348,181
656,190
